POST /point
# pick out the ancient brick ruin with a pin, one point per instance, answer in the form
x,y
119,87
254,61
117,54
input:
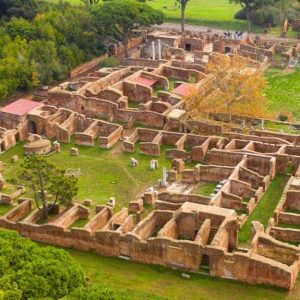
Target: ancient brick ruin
x,y
186,231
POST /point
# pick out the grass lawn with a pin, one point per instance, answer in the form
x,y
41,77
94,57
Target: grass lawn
x,y
265,208
205,189
283,92
103,173
168,283
217,13
292,226
269,125
4,208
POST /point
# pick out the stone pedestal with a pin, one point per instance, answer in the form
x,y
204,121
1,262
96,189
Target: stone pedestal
x,y
74,151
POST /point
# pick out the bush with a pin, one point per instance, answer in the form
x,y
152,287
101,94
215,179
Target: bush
x,y
45,49
258,17
270,18
30,271
241,15
109,62
282,117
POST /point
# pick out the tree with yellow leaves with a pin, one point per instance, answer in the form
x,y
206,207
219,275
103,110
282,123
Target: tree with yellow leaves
x,y
232,87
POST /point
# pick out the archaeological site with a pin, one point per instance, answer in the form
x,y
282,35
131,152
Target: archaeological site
x,y
199,214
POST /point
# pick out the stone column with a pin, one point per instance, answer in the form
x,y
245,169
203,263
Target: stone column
x,y
165,177
159,49
153,51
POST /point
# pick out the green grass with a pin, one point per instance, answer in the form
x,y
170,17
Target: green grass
x,y
79,223
265,208
269,125
133,104
292,226
103,173
4,208
283,92
276,31
217,13
205,189
113,272
293,211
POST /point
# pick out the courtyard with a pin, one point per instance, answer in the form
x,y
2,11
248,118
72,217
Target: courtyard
x,y
102,173
176,202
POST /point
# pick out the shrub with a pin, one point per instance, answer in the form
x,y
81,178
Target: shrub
x,y
30,271
282,117
109,62
241,15
258,17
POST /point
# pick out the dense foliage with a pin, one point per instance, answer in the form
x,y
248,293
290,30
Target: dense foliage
x,y
18,8
272,13
30,271
118,18
45,48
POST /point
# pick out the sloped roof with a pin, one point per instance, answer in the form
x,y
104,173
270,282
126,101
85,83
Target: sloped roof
x,y
146,81
20,107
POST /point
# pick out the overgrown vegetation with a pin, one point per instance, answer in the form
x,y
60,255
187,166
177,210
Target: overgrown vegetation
x,y
267,13
44,46
49,185
101,173
206,189
283,92
265,208
233,89
30,271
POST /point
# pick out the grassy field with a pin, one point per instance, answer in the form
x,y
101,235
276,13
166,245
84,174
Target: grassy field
x,y
283,92
168,283
265,208
103,173
206,189
217,13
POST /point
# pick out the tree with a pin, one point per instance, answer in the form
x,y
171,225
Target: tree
x,y
48,184
182,4
250,6
18,8
90,2
31,271
120,17
231,87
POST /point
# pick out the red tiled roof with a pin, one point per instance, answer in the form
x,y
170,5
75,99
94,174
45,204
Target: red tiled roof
x,y
20,107
146,81
184,90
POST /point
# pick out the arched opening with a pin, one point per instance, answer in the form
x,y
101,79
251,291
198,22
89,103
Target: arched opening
x,y
32,127
18,137
188,47
2,147
227,50
204,266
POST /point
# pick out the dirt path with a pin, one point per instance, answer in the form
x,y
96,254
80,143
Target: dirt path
x,y
177,26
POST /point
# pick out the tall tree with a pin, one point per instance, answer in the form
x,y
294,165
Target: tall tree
x,y
250,6
232,87
48,184
182,4
18,8
90,2
121,17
